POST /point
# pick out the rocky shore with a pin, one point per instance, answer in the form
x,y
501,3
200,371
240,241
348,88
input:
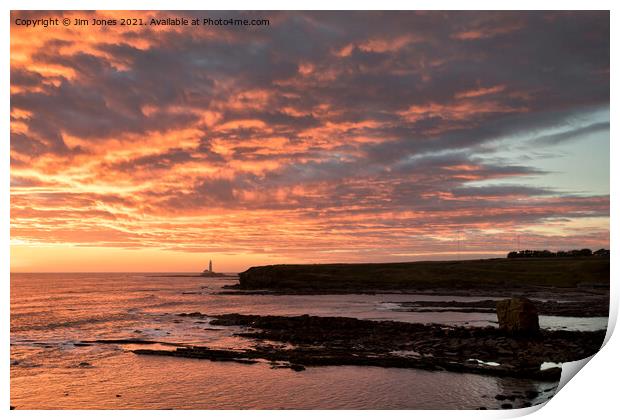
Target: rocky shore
x,y
570,287
302,341
585,307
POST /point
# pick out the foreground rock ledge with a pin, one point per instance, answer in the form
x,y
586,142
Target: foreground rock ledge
x,y
328,341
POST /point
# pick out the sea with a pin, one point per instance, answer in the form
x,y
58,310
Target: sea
x,y
51,314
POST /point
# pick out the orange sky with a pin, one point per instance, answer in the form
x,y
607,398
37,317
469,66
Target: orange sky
x,y
323,137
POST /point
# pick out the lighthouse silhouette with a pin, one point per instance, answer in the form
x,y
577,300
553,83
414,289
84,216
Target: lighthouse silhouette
x,y
210,266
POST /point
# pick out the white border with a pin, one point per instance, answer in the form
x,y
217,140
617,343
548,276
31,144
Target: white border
x,y
592,394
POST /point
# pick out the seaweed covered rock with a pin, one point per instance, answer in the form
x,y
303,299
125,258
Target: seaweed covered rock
x,y
518,315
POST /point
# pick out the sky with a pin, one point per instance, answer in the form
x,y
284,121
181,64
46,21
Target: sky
x,y
322,137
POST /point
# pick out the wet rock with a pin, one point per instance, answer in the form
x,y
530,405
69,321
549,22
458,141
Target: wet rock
x,y
198,352
337,341
124,341
506,406
500,397
193,314
12,407
297,368
531,394
518,316
596,305
245,361
482,408
118,395
504,352
551,373
84,364
527,404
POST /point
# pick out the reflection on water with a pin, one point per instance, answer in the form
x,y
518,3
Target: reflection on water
x,y
51,314
156,382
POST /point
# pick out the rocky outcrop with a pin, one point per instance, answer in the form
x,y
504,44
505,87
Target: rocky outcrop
x,y
491,274
295,342
518,316
584,305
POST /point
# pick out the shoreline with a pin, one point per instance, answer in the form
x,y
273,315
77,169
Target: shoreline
x,y
553,301
297,342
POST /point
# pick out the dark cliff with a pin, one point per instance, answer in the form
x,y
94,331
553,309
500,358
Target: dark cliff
x,y
498,272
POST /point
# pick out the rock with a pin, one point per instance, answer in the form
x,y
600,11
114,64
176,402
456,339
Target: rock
x,y
84,364
504,352
552,373
506,406
531,394
337,341
298,368
518,315
118,395
500,397
12,407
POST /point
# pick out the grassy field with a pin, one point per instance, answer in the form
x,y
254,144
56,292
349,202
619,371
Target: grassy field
x,y
497,272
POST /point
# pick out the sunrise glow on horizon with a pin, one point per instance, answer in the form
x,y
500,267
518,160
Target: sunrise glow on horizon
x,y
322,137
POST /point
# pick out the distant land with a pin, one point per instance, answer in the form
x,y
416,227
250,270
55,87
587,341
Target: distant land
x,y
208,273
495,273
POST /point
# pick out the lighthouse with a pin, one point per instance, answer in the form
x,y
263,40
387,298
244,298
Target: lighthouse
x,y
209,271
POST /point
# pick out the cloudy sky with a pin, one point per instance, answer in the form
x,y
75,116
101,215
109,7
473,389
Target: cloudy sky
x,y
321,137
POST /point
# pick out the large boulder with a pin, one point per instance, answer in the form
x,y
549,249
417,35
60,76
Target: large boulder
x,y
518,315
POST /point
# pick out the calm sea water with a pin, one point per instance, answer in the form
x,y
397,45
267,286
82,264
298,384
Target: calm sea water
x,y
51,312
